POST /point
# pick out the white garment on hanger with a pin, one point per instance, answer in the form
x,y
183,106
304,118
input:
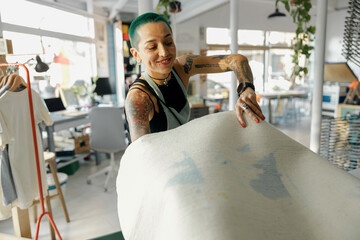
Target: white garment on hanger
x,y
17,132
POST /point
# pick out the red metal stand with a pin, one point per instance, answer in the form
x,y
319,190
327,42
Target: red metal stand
x,y
36,153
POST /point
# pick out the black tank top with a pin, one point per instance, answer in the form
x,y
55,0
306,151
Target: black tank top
x,y
173,97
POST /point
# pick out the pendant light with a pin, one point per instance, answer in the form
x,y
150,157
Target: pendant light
x,y
277,13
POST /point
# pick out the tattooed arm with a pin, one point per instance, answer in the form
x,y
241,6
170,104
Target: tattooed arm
x,y
223,63
194,64
138,112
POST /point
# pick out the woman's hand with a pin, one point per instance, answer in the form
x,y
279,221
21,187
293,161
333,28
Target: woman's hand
x,y
247,103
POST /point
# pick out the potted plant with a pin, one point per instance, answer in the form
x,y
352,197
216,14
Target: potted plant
x,y
299,10
168,6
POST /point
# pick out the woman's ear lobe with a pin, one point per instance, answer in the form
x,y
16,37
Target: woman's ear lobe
x,y
135,53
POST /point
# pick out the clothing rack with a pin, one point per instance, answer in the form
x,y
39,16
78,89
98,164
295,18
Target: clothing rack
x,y
36,152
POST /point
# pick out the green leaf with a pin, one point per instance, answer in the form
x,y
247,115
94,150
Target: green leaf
x,y
307,6
311,29
287,6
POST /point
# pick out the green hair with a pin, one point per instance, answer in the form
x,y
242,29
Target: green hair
x,y
149,17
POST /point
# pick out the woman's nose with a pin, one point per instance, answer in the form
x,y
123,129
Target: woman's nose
x,y
162,50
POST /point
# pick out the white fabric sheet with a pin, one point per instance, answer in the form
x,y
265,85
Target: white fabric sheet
x,y
212,179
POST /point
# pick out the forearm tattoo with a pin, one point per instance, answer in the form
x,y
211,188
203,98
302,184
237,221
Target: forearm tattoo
x,y
242,70
246,70
188,64
220,56
206,65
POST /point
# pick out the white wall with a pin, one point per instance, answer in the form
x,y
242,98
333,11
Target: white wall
x,y
334,39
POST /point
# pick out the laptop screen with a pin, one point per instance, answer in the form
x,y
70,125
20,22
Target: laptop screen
x,y
54,104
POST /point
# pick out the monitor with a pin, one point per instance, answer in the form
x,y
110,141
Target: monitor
x,y
103,86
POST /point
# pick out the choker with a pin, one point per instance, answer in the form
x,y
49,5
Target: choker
x,y
165,82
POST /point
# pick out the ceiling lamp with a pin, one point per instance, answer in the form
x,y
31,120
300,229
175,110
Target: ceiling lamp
x,y
277,14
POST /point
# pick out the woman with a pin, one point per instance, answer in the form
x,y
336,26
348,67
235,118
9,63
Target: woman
x,y
157,100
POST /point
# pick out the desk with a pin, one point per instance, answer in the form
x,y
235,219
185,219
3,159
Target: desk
x,y
281,95
63,122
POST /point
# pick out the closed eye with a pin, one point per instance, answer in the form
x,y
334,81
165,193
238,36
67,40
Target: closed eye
x,y
152,48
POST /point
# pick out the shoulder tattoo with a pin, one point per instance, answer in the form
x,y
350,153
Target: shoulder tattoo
x,y
138,108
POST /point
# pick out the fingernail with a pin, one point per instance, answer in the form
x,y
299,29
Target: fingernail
x,y
256,120
243,125
263,117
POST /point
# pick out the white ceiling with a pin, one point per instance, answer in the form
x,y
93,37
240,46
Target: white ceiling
x,y
190,8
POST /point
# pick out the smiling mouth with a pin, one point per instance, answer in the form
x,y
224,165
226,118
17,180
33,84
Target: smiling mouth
x,y
165,61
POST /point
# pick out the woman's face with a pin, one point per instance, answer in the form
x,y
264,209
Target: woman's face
x,y
156,49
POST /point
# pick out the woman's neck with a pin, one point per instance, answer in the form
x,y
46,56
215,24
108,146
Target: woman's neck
x,y
160,79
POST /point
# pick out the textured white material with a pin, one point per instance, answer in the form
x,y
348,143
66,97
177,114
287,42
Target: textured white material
x,y
212,179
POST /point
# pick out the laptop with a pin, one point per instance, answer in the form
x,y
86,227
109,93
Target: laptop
x,y
57,107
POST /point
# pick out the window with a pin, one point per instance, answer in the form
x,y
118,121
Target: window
x,y
266,50
70,59
38,16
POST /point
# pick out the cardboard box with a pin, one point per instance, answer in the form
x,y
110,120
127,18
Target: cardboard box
x,y
82,144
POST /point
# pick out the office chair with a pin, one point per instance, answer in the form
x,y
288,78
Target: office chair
x,y
108,136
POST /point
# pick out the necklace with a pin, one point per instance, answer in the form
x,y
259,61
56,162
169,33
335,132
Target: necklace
x,y
165,82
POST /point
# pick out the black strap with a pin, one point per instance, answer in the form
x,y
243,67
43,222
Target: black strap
x,y
149,88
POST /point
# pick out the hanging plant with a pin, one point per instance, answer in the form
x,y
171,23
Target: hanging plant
x,y
168,6
299,11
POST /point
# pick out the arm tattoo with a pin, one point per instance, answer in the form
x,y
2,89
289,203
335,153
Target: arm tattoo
x,y
242,70
246,70
188,64
220,56
206,65
138,108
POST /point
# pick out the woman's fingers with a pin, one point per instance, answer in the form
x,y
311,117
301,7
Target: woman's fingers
x,y
247,104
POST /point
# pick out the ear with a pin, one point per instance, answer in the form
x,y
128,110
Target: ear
x,y
136,54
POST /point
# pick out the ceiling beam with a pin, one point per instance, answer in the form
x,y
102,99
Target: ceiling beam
x,y
118,5
196,8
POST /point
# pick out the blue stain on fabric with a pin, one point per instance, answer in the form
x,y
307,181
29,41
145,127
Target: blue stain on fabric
x,y
225,162
189,174
269,182
244,148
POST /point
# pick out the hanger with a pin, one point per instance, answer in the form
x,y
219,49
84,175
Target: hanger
x,y
15,82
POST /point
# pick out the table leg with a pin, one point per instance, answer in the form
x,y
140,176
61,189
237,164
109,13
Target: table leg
x,y
270,109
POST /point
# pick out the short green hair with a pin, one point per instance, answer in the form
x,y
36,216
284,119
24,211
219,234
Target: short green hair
x,y
149,17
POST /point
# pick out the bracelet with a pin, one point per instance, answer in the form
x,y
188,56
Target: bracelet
x,y
242,86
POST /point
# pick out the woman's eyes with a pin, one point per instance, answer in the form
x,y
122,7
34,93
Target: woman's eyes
x,y
154,47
